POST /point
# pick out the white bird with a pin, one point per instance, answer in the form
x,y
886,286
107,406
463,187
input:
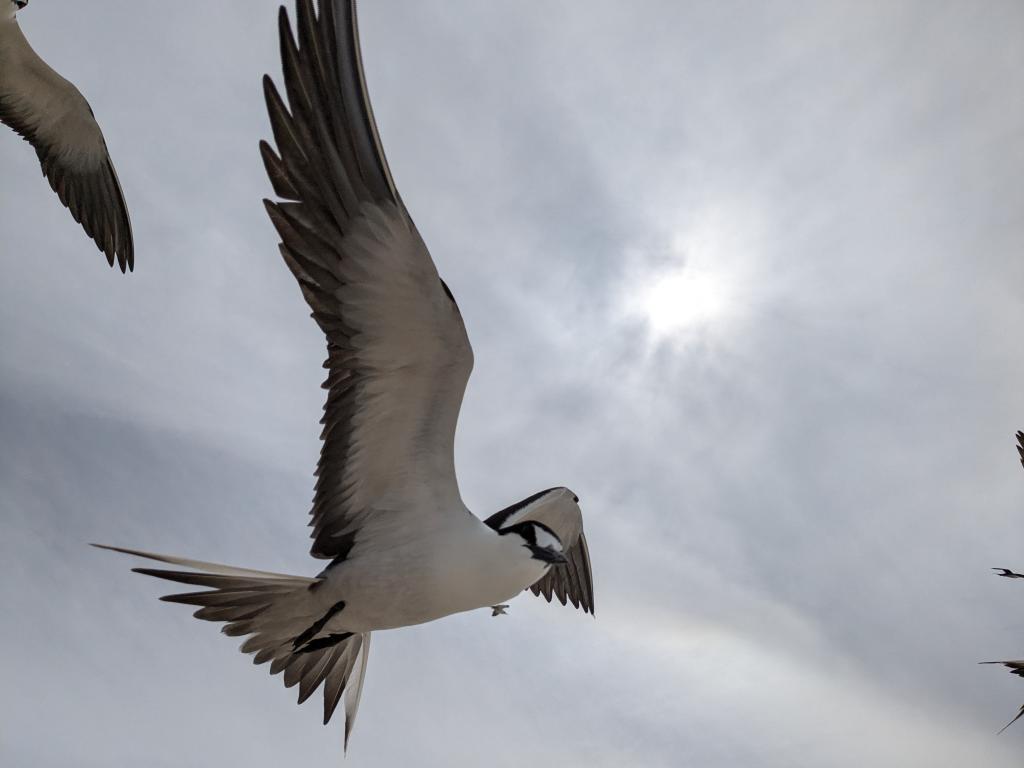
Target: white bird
x,y
51,114
387,513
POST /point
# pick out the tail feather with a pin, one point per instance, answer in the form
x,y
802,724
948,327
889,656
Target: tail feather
x,y
273,609
200,565
354,693
315,673
218,598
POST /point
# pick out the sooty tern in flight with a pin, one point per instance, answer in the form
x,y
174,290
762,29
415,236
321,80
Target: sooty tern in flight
x,y
402,547
1016,666
51,114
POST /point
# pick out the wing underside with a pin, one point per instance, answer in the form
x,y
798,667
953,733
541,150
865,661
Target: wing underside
x,y
51,114
398,355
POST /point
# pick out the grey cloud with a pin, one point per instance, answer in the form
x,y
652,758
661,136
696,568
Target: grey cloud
x,y
791,514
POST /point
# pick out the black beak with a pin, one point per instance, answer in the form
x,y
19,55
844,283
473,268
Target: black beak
x,y
20,3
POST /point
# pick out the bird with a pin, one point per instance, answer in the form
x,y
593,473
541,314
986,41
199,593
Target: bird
x,y
401,545
52,115
1006,572
1016,667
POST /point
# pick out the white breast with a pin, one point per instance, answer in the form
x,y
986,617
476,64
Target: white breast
x,y
461,568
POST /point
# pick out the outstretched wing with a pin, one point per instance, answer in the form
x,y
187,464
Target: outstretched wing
x,y
51,114
398,357
1020,447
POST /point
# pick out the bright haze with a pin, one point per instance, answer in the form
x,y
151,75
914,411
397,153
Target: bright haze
x,y
746,277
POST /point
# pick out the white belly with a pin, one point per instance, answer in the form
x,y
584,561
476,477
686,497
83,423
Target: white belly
x,y
452,571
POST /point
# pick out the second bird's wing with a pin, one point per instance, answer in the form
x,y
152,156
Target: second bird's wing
x,y
51,114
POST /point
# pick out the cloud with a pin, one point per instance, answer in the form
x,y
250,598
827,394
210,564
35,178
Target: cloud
x,y
791,519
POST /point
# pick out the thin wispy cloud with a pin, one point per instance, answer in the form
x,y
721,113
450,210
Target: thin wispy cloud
x,y
793,497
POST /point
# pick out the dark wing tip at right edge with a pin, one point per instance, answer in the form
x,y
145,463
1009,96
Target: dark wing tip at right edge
x,y
1016,667
1021,712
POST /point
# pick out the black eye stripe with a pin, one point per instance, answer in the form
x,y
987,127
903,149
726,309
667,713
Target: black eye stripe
x,y
525,530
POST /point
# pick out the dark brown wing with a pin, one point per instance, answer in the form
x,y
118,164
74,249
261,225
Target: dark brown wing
x,y
398,355
51,114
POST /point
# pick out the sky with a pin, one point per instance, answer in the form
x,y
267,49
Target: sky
x,y
745,276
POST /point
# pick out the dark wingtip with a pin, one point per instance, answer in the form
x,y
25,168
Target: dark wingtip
x,y
1011,722
284,25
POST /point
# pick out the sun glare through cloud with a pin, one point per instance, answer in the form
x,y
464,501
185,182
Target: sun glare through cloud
x,y
699,287
685,298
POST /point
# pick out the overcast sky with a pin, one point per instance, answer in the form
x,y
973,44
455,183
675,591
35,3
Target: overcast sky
x,y
746,276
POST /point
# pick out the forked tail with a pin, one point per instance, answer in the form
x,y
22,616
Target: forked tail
x,y
274,610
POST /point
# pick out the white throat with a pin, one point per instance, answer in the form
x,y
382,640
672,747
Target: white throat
x,y
493,569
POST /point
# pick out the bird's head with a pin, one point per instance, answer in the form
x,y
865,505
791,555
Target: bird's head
x,y
540,540
545,523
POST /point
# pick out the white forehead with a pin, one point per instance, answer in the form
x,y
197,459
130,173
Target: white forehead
x,y
546,501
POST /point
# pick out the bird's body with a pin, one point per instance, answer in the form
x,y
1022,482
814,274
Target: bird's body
x,y
458,565
52,115
387,512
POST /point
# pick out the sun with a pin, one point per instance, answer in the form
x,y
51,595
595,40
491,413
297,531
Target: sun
x,y
685,298
703,284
